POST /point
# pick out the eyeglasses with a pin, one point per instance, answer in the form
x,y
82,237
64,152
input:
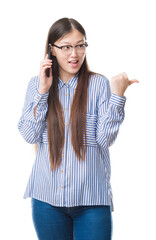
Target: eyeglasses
x,y
67,49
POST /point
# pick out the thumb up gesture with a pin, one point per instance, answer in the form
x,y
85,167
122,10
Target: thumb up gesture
x,y
120,83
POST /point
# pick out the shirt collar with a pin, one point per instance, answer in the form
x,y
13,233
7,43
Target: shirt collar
x,y
71,83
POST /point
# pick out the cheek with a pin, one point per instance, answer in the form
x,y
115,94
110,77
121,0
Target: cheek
x,y
82,59
61,61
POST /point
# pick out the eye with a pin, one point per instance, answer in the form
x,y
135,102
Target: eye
x,y
66,47
80,46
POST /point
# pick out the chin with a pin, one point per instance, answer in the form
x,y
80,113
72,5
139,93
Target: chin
x,y
74,70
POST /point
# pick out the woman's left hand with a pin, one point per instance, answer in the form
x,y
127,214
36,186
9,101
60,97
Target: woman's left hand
x,y
120,83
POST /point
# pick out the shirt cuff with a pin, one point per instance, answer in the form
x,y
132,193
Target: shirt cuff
x,y
117,100
41,98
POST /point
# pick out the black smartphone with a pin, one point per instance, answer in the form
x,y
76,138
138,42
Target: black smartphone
x,y
49,57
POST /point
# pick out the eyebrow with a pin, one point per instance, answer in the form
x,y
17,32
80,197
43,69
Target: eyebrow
x,y
70,43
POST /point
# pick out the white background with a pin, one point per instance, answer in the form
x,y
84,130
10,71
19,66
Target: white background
x,y
121,38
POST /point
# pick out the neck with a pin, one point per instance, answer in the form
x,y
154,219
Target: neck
x,y
65,77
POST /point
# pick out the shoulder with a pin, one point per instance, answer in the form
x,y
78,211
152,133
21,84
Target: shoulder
x,y
98,81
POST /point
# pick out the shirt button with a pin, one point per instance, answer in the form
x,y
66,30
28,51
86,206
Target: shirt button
x,y
61,186
63,155
65,109
37,98
66,94
62,171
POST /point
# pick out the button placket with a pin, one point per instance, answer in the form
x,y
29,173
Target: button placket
x,y
62,177
62,172
66,106
66,119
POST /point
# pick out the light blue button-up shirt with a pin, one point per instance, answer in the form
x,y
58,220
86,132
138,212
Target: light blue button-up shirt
x,y
74,183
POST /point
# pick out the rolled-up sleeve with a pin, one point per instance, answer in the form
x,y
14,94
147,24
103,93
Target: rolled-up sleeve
x,y
31,125
110,115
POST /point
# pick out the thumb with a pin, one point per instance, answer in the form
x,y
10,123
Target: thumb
x,y
133,81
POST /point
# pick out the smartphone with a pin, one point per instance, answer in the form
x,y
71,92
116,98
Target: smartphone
x,y
49,57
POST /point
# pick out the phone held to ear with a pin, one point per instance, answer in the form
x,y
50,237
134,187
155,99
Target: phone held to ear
x,y
49,57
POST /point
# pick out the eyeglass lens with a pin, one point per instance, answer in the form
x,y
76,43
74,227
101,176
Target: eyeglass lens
x,y
80,49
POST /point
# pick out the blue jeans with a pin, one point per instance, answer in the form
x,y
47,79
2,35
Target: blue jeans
x,y
71,223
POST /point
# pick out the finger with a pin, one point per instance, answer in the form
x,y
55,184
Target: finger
x,y
43,70
46,57
46,63
133,81
46,60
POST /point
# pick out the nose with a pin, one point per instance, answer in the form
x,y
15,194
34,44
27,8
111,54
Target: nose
x,y
73,52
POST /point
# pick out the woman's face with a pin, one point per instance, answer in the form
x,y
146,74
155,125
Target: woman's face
x,y
69,64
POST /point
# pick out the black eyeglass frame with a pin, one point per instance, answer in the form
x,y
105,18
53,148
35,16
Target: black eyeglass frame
x,y
60,47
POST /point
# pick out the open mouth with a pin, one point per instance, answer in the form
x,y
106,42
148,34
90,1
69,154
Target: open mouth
x,y
74,63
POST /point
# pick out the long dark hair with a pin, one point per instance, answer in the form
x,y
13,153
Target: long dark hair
x,y
55,115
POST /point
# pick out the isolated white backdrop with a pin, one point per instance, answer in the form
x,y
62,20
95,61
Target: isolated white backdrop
x,y
121,38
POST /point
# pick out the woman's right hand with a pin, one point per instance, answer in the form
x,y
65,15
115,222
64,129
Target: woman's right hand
x,y
45,82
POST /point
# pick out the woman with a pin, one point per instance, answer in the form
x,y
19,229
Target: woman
x,y
73,117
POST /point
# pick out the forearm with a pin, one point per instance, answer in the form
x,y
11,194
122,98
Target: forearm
x,y
33,120
109,123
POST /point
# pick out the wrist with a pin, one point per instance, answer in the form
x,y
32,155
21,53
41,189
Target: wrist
x,y
118,93
117,100
42,91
